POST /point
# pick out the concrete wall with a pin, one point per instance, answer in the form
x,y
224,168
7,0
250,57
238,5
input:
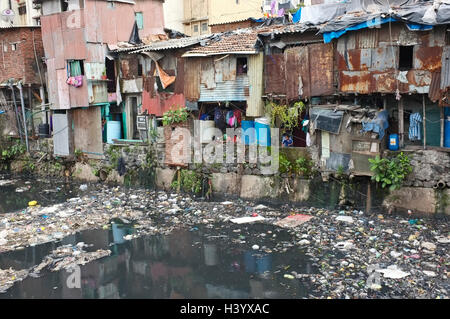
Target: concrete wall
x,y
174,15
231,10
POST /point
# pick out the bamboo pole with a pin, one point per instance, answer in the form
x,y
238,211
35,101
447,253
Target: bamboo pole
x,y
424,122
400,122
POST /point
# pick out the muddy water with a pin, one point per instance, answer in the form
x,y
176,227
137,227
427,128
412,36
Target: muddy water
x,y
196,263
17,191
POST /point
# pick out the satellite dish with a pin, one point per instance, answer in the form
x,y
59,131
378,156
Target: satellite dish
x,y
8,15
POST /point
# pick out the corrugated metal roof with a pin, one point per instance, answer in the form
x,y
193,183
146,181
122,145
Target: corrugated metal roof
x,y
165,45
226,91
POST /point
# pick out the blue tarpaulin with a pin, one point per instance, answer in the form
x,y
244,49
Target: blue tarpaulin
x,y
329,36
418,27
1,112
297,16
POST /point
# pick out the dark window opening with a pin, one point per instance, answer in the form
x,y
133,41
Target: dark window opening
x,y
110,75
139,69
405,61
168,89
241,66
195,28
75,67
22,10
64,5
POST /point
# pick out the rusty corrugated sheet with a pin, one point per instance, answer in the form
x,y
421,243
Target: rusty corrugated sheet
x,y
161,102
366,38
192,67
274,74
321,69
237,90
255,104
435,93
428,58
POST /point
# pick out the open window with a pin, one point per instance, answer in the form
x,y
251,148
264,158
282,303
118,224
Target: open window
x,y
110,75
241,66
75,68
405,57
139,16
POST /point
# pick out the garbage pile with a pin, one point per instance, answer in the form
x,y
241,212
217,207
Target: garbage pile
x,y
357,255
9,276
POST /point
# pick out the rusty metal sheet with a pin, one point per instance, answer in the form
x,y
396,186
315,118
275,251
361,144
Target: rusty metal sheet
x,y
74,44
179,81
88,131
435,93
52,84
274,74
97,91
95,52
192,67
321,68
71,20
47,37
297,65
79,96
428,58
355,81
63,89
161,103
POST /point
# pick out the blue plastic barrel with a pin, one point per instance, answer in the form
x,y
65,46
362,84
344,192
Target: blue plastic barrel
x,y
262,128
393,142
250,137
263,263
113,131
447,132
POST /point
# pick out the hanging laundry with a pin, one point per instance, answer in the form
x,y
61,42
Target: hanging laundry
x,y
230,119
414,126
219,118
75,81
165,79
238,115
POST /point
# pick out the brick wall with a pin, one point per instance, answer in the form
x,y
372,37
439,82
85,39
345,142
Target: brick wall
x,y
21,63
232,26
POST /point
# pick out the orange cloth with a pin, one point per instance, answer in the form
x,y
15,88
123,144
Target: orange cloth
x,y
166,79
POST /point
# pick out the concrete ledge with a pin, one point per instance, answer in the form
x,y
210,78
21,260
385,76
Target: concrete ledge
x,y
257,187
164,177
225,183
417,199
84,172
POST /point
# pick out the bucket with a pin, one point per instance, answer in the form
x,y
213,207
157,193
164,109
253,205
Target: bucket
x,y
113,131
262,128
44,130
447,132
250,137
393,142
207,131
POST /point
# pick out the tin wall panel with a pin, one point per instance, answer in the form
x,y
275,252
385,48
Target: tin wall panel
x,y
88,131
274,74
52,86
226,91
74,44
179,81
321,67
255,104
192,67
95,52
79,95
445,73
297,65
63,89
61,137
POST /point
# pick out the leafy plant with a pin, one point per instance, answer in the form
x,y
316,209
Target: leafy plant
x,y
10,153
179,115
190,181
285,164
287,116
304,166
390,172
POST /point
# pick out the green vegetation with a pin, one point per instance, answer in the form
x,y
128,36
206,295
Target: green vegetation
x,y
304,167
285,164
286,116
179,115
189,181
390,172
9,153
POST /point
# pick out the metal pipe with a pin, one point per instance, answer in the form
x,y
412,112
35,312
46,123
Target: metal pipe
x,y
440,184
19,85
19,129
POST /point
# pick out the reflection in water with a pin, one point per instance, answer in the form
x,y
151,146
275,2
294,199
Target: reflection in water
x,y
183,264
